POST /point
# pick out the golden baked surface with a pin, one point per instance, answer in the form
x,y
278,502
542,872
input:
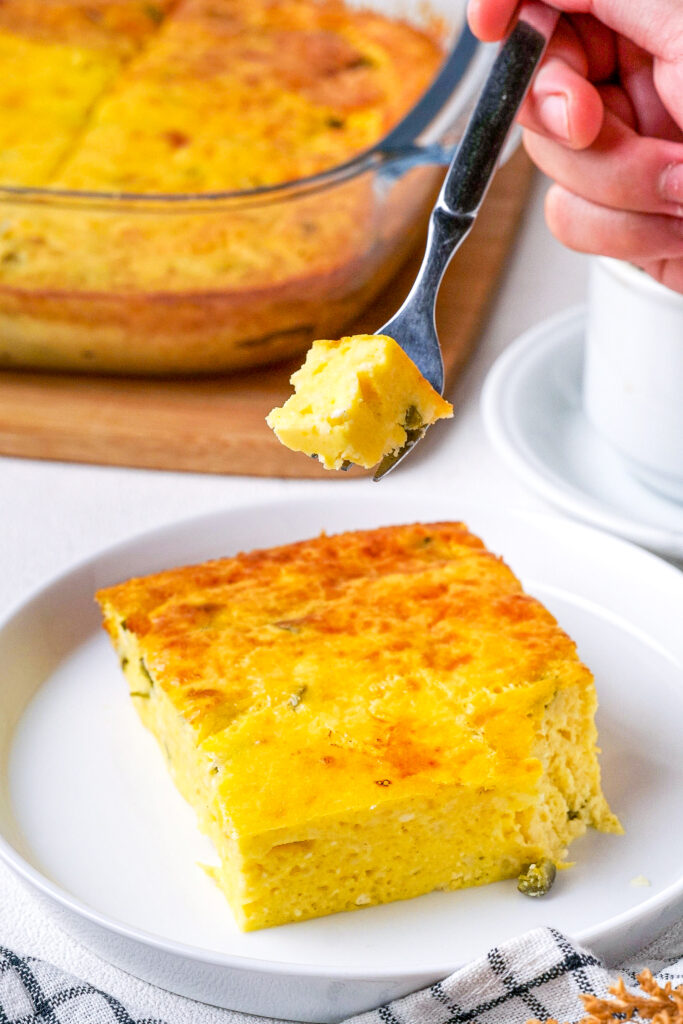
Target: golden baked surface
x,y
198,95
363,717
57,59
354,401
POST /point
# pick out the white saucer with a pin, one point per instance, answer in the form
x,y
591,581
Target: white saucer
x,y
531,404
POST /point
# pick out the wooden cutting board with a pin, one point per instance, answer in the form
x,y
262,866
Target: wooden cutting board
x,y
217,425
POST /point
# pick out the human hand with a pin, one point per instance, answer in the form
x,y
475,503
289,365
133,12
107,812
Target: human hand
x,y
604,119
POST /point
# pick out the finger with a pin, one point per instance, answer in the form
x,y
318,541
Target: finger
x,y
563,105
621,169
556,92
617,102
668,79
598,44
636,75
566,45
492,19
561,102
656,25
667,272
489,19
588,227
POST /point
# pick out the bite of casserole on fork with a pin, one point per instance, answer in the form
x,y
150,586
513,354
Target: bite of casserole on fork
x,y
355,401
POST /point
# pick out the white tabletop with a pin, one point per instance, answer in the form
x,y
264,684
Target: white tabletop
x,y
56,513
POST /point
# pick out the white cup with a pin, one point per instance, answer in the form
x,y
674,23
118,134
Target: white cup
x,y
633,372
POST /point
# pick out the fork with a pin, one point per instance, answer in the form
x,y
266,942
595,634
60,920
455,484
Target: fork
x,y
461,196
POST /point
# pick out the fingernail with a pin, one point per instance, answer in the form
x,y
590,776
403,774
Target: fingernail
x,y
672,183
554,113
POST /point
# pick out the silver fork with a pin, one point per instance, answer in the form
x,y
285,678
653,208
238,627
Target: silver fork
x,y
461,196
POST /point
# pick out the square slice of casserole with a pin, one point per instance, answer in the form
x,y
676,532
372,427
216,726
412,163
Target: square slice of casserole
x,y
363,718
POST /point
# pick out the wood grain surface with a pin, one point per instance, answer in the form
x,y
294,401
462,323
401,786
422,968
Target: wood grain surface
x,y
217,425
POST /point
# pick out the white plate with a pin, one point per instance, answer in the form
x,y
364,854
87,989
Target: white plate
x,y
531,403
93,822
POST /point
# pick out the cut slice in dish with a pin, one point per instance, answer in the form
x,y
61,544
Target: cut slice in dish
x,y
58,57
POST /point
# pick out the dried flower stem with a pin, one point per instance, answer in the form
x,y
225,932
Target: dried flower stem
x,y
661,1005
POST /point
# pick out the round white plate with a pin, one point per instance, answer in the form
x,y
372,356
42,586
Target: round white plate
x,y
92,820
531,404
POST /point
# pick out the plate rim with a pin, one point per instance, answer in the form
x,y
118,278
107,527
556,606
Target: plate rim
x,y
560,329
645,910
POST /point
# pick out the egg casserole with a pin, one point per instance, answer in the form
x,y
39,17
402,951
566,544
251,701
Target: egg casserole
x,y
356,400
238,94
363,718
58,58
197,97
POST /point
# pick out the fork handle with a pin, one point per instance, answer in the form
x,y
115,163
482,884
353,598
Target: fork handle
x,y
474,163
466,182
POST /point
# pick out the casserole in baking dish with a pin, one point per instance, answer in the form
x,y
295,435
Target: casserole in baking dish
x,y
202,185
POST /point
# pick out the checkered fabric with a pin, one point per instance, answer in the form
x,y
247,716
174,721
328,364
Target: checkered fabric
x,y
35,992
538,975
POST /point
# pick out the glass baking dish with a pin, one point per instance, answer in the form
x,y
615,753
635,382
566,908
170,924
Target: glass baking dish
x,y
193,284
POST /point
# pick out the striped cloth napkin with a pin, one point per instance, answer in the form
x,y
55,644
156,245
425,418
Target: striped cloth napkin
x,y
536,976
